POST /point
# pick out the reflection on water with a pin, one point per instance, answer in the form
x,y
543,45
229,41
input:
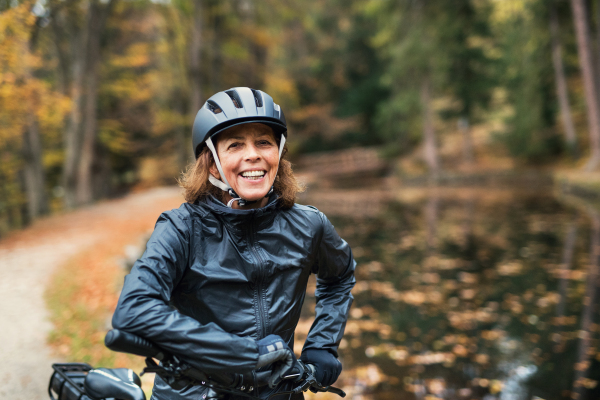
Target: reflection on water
x,y
472,297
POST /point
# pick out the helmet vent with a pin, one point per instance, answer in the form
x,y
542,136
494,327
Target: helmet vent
x,y
237,102
257,98
214,107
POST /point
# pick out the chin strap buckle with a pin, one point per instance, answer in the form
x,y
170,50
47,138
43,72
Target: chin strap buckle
x,y
235,197
242,202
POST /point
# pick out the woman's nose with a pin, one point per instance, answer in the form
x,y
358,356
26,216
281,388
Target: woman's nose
x,y
252,153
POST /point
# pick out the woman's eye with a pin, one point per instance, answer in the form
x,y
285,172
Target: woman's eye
x,y
232,145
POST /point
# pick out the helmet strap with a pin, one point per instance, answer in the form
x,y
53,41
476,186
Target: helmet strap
x,y
218,183
224,185
281,144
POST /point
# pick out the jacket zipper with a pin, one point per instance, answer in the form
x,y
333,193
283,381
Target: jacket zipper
x,y
259,290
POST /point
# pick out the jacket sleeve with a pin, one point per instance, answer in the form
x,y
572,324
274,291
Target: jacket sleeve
x,y
334,268
143,308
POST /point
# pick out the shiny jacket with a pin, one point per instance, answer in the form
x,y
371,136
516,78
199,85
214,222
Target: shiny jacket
x,y
213,280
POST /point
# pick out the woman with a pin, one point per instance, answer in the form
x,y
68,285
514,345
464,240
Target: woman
x,y
224,276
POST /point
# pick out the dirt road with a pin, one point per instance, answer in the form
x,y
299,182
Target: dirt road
x,y
27,260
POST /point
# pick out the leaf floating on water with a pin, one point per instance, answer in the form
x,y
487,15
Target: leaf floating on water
x,y
466,277
581,366
356,313
510,269
482,358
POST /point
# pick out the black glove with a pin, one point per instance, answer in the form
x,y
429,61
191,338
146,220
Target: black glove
x,y
273,351
327,366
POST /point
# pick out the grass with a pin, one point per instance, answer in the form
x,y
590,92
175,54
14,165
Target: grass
x,y
81,297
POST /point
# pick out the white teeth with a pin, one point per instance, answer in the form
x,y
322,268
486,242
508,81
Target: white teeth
x,y
248,174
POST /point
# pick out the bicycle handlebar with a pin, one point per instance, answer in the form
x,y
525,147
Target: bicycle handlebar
x,y
179,374
124,342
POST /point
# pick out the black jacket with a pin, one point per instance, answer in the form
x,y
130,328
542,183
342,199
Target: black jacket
x,y
213,280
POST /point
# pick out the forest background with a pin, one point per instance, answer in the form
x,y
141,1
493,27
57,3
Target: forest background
x,y
97,97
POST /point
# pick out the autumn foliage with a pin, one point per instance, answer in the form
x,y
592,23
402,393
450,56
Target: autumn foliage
x,y
26,100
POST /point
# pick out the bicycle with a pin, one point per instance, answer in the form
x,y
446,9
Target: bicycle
x,y
79,381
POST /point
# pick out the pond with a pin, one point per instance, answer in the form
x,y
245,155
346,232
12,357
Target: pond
x,y
468,294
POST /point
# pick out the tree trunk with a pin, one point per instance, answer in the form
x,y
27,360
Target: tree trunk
x,y
589,81
182,136
180,95
95,25
101,173
430,148
216,67
467,147
64,61
84,193
21,213
561,84
254,68
246,10
34,177
597,58
195,60
80,135
195,67
73,128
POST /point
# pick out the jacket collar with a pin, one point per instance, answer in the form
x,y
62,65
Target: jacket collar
x,y
243,219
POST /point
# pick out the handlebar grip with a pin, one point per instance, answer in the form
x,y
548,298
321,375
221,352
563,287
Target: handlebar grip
x,y
126,342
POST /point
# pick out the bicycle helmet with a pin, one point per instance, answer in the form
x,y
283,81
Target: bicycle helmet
x,y
236,106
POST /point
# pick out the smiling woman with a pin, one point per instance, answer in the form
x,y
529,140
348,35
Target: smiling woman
x,y
224,276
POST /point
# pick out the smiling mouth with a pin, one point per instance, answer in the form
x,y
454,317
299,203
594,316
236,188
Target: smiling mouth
x,y
253,175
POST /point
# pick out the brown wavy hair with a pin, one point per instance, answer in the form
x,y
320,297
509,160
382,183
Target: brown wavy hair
x,y
196,185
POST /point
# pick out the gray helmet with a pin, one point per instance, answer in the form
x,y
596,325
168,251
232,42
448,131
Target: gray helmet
x,y
240,105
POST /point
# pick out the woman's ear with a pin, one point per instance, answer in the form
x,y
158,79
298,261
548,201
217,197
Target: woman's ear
x,y
214,170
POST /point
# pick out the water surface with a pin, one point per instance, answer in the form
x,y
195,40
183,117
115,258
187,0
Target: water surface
x,y
469,294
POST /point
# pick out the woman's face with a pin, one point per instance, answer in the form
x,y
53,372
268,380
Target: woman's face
x,y
249,156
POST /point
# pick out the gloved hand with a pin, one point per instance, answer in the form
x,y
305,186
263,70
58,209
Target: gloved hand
x,y
273,351
327,366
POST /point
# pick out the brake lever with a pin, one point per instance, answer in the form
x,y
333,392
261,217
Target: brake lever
x,y
304,386
152,367
332,389
335,390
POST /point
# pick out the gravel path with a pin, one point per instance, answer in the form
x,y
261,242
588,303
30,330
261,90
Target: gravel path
x,y
27,260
